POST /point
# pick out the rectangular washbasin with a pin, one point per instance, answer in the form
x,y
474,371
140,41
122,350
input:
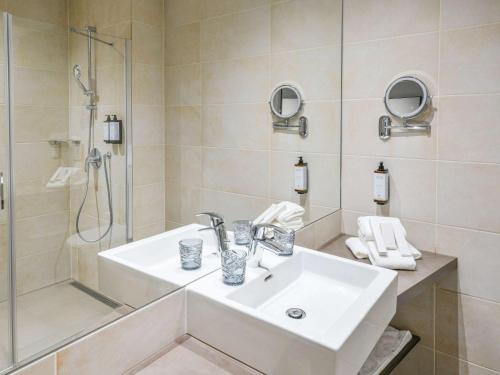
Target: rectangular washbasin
x,y
144,270
311,313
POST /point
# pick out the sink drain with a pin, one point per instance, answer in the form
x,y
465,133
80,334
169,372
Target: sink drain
x,y
296,313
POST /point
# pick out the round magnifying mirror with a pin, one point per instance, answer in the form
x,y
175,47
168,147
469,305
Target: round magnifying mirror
x,y
285,101
406,98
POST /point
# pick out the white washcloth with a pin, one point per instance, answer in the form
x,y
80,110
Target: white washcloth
x,y
387,347
393,260
270,214
284,214
365,226
295,224
357,247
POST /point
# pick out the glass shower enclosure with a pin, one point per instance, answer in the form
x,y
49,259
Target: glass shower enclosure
x,y
65,188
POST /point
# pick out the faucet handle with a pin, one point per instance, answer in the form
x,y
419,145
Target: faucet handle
x,y
215,218
259,231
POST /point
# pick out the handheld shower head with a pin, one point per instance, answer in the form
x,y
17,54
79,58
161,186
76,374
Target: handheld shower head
x,y
77,73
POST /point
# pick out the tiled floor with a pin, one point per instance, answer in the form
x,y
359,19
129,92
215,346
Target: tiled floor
x,y
189,356
50,315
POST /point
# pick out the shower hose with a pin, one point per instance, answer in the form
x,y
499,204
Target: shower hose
x,y
110,203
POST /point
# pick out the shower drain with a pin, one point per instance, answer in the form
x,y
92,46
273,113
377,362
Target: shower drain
x,y
296,313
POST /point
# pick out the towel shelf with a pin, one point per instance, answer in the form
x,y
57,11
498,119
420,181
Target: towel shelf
x,y
59,142
401,355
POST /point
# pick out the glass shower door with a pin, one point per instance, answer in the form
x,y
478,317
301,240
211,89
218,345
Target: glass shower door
x,y
64,190
6,334
69,185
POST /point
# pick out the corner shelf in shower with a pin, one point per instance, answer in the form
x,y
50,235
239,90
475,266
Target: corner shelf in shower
x,y
68,141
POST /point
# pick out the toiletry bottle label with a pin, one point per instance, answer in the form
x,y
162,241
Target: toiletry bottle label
x,y
301,177
381,185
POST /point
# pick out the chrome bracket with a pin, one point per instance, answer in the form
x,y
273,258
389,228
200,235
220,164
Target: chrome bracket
x,y
385,127
302,126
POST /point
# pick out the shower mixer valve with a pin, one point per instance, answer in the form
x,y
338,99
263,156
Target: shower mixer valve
x,y
95,158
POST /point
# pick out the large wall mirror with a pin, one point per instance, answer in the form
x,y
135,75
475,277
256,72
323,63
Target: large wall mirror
x,y
82,244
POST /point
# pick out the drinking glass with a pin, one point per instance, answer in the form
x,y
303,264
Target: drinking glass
x,y
190,252
234,263
241,230
285,240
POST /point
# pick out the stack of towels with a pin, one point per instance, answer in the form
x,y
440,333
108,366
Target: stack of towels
x,y
388,347
284,214
383,241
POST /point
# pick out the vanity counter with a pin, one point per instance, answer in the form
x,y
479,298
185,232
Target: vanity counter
x,y
430,269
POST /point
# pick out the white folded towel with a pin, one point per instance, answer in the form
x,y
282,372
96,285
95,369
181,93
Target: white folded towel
x,y
387,347
365,226
377,235
359,248
393,259
270,214
386,232
284,214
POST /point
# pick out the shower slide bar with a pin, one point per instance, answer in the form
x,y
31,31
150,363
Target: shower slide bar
x,y
86,33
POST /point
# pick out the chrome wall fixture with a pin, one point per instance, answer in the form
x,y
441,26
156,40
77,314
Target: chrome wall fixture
x,y
94,157
286,102
407,98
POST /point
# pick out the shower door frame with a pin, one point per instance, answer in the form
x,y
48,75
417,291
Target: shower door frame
x,y
9,106
10,190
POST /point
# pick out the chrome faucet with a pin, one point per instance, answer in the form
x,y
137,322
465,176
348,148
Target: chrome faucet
x,y
263,234
217,225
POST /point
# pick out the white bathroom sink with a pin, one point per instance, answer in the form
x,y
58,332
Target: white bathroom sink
x,y
347,306
144,270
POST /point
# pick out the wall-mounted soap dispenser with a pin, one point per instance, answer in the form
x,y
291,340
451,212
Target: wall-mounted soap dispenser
x,y
301,176
112,130
381,185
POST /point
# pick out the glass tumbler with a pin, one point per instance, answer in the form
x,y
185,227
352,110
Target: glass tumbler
x,y
285,241
234,263
242,231
190,252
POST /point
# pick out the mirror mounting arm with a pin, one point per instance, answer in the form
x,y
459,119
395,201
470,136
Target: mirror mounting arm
x,y
302,126
385,127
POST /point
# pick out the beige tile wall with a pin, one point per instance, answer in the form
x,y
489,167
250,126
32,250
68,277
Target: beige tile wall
x,y
222,60
41,98
444,185
148,118
121,345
